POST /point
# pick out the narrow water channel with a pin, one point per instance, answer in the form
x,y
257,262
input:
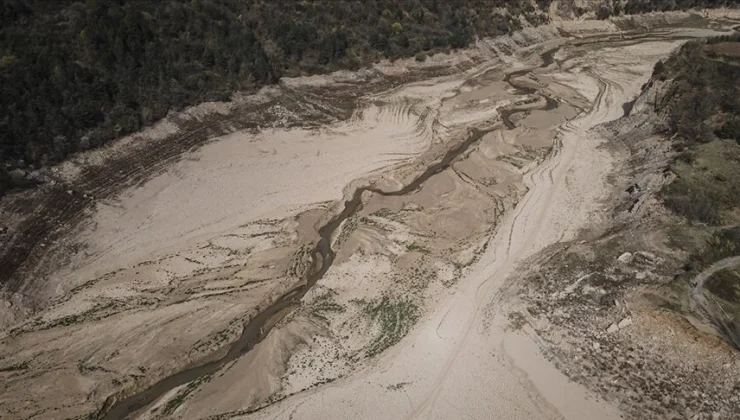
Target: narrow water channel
x,y
257,328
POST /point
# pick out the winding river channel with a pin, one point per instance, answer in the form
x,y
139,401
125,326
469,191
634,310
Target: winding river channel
x,y
257,328
322,255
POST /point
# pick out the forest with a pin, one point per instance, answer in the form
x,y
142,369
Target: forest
x,y
75,75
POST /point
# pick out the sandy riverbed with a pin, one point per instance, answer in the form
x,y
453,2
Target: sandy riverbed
x,y
408,322
464,360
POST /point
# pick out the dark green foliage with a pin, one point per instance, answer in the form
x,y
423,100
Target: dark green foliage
x,y
693,208
724,243
730,129
706,189
702,87
82,74
74,75
703,100
604,12
394,317
726,284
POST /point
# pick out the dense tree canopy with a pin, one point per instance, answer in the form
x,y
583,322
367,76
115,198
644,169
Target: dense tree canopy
x,y
74,75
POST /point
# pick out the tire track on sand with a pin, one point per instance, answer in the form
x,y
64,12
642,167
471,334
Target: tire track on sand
x,y
519,231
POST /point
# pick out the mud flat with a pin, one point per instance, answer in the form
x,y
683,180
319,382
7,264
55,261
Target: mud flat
x,y
349,265
467,355
165,275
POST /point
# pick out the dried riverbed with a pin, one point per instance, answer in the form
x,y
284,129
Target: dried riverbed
x,y
360,250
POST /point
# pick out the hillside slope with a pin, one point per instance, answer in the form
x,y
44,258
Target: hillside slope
x,y
74,76
655,286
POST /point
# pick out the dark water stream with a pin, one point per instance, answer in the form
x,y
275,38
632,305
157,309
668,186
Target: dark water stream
x,y
257,328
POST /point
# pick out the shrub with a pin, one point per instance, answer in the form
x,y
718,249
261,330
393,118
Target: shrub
x,y
693,208
659,68
604,12
730,130
723,243
726,284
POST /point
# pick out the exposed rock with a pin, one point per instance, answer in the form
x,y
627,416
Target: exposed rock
x,y
612,329
624,323
648,257
626,258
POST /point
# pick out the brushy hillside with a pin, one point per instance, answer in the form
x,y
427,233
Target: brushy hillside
x,y
74,75
702,107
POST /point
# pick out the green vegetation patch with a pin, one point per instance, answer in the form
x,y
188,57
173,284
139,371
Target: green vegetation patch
x,y
722,244
702,104
703,94
726,284
395,318
325,304
707,188
76,74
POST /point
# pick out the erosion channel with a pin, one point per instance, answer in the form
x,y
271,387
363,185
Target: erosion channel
x,y
322,258
348,245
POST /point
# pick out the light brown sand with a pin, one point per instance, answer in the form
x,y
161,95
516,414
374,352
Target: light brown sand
x,y
182,261
462,361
